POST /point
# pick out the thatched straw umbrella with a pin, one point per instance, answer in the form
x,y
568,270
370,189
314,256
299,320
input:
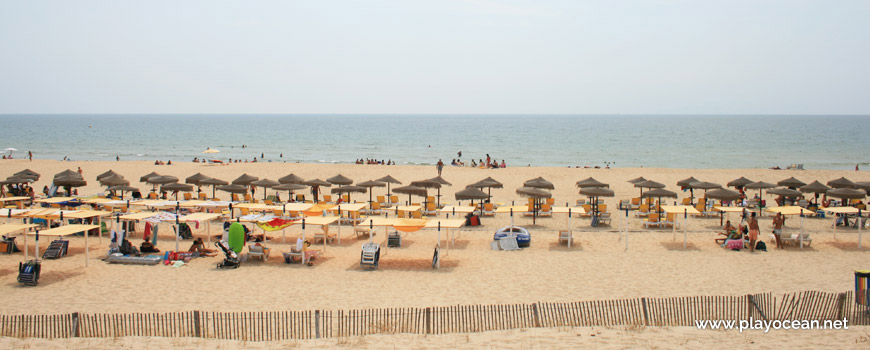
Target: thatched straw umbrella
x,y
213,182
369,184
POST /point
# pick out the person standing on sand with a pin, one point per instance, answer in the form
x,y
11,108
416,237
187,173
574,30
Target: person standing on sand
x,y
80,170
777,230
487,160
753,232
439,166
30,155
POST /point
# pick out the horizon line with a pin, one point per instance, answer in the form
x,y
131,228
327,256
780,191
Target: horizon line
x,y
451,114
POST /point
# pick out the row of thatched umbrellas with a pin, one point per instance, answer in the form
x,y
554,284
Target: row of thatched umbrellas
x,y
534,188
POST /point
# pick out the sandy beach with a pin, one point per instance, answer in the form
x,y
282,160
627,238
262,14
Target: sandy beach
x,y
597,267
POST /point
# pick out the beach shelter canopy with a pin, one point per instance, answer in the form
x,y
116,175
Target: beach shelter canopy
x,y
786,192
441,180
123,188
637,179
590,182
791,182
470,193
760,185
70,181
539,182
195,179
349,189
740,182
411,189
176,187
660,193
488,182
815,187
67,172
533,192
210,150
704,185
145,177
847,193
107,174
266,183
213,182
723,194
291,179
113,180
649,184
841,183
339,180
389,179
289,187
16,179
317,182
245,179
372,183
686,182
428,183
28,173
232,188
161,180
596,192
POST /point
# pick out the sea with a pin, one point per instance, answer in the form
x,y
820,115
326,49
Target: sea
x,y
666,141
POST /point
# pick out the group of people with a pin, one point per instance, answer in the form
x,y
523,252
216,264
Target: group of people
x,y
488,164
751,231
374,161
15,190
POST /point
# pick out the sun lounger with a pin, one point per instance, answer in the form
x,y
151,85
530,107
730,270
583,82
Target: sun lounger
x,y
370,255
258,251
565,236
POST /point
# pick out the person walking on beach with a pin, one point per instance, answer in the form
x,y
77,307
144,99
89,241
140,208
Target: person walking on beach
x,y
439,166
487,160
30,155
80,170
777,229
753,232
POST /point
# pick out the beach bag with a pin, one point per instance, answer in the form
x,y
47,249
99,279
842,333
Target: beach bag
x,y
761,246
184,231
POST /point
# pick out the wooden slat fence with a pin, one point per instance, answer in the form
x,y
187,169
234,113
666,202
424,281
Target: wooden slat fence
x,y
311,324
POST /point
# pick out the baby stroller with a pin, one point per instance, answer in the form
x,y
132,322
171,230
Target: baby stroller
x,y
232,259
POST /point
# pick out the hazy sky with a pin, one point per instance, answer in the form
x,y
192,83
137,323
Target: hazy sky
x,y
444,56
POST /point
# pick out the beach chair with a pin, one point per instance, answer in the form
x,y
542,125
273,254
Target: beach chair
x,y
324,235
248,198
551,201
794,238
635,203
508,243
401,214
624,204
604,219
244,211
671,220
152,195
430,199
268,202
278,213
565,236
235,197
430,209
530,210
202,196
588,210
602,208
701,208
370,255
643,211
328,198
381,200
417,214
687,201
259,252
300,198
346,198
488,210
652,220
375,208
394,200
546,210
187,196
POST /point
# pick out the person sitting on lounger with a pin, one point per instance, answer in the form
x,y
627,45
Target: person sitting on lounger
x,y
200,248
730,232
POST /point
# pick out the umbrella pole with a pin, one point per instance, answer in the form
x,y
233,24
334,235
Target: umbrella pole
x,y
339,228
859,230
625,227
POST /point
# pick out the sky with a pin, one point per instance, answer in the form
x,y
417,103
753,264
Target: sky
x,y
435,57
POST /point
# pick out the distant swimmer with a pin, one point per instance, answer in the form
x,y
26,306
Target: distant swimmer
x,y
459,154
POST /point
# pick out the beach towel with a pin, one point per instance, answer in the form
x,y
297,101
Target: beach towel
x,y
147,233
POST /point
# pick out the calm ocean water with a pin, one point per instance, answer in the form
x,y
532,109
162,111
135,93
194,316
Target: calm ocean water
x,y
819,142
